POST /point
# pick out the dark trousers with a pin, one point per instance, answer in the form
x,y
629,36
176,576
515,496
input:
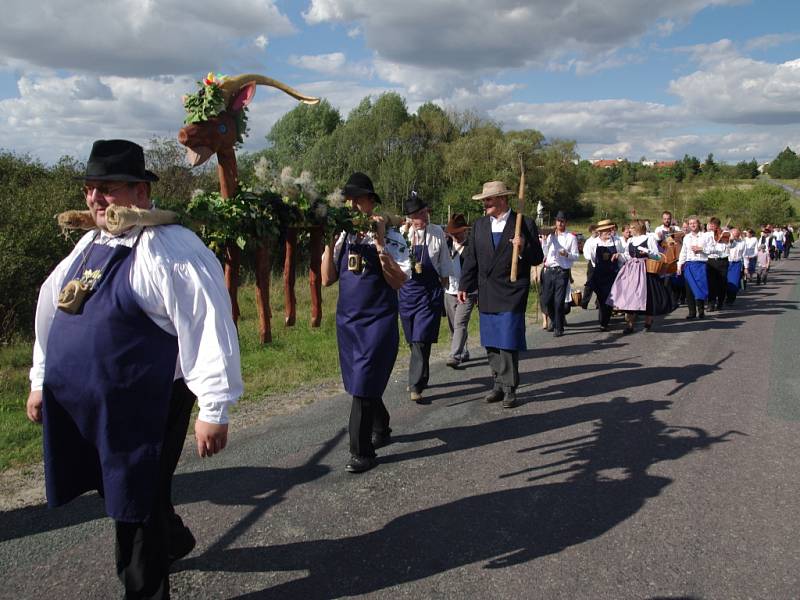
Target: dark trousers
x,y
605,314
505,367
587,289
695,306
367,415
786,248
555,283
143,550
717,273
419,366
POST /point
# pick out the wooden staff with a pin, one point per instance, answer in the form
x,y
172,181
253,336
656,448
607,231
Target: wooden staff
x,y
518,227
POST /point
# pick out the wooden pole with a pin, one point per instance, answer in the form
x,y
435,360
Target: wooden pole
x,y
315,275
263,270
289,276
518,225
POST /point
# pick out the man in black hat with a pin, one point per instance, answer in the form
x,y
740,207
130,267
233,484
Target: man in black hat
x,y
501,302
370,266
560,251
131,329
422,296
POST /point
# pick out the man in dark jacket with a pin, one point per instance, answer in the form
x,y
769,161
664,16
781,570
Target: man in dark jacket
x,y
501,302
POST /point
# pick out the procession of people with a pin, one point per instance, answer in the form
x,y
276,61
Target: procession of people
x,y
134,328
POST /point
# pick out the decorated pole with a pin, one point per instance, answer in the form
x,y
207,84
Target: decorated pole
x,y
315,275
518,226
216,120
289,276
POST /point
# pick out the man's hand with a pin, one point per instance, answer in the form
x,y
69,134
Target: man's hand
x,y
34,407
462,297
210,438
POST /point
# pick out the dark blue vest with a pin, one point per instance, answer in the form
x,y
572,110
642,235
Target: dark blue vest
x,y
108,378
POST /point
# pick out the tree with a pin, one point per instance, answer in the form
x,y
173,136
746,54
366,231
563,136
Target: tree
x,y
296,132
785,166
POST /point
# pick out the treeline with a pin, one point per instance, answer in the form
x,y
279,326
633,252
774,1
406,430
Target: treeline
x,y
444,155
689,169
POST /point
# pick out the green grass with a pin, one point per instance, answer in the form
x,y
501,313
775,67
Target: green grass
x,y
20,440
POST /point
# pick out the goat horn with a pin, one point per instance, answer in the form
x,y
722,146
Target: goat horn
x,y
231,85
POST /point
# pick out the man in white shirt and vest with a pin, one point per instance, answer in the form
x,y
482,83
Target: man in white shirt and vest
x,y
131,329
560,252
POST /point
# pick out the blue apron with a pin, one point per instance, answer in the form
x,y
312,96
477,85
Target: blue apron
x,y
422,300
504,330
734,275
694,271
108,380
366,324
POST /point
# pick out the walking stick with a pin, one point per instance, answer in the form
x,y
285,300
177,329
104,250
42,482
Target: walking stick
x,y
518,227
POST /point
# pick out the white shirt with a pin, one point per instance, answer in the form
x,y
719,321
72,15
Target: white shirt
x,y
687,254
588,248
394,244
433,235
499,223
750,246
556,242
779,235
179,285
716,249
455,274
736,250
638,240
610,243
662,231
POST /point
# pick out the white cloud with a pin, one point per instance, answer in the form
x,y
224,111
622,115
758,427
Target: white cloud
x,y
334,63
492,34
134,38
261,42
771,40
730,88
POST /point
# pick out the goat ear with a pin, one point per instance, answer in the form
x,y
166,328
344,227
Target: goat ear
x,y
243,97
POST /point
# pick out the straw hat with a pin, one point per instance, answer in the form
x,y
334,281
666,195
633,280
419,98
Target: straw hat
x,y
605,225
492,189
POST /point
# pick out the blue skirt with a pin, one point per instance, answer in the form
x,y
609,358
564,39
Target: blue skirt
x,y
695,274
504,330
734,276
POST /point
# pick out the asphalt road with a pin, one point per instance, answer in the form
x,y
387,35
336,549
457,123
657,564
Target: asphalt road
x,y
663,464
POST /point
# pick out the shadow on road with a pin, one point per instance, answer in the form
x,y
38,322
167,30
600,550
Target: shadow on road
x,y
261,487
606,483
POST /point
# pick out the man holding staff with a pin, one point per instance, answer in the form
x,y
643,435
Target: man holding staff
x,y
501,302
131,328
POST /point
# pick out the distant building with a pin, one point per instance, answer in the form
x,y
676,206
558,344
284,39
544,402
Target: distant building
x,y
665,164
762,168
605,163
648,163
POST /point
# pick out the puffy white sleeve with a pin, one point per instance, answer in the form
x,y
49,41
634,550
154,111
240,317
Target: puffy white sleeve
x,y
46,308
395,245
180,285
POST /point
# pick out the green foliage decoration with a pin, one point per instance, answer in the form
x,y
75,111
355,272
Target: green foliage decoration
x,y
208,102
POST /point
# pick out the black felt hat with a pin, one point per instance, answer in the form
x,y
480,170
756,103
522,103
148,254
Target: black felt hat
x,y
117,160
359,184
561,216
413,203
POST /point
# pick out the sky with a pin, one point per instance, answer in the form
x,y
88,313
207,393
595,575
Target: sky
x,y
631,78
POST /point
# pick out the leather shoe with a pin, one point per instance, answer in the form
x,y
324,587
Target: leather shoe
x,y
551,328
379,440
453,362
558,333
510,399
359,464
180,544
494,396
416,397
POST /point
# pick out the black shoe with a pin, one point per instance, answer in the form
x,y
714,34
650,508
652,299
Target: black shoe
x,y
550,328
603,327
690,317
558,333
719,307
627,331
510,399
648,326
701,315
453,362
711,308
181,543
379,440
494,396
359,464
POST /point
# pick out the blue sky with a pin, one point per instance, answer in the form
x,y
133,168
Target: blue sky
x,y
625,78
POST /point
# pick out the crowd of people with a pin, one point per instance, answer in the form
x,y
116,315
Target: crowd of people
x,y
134,328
